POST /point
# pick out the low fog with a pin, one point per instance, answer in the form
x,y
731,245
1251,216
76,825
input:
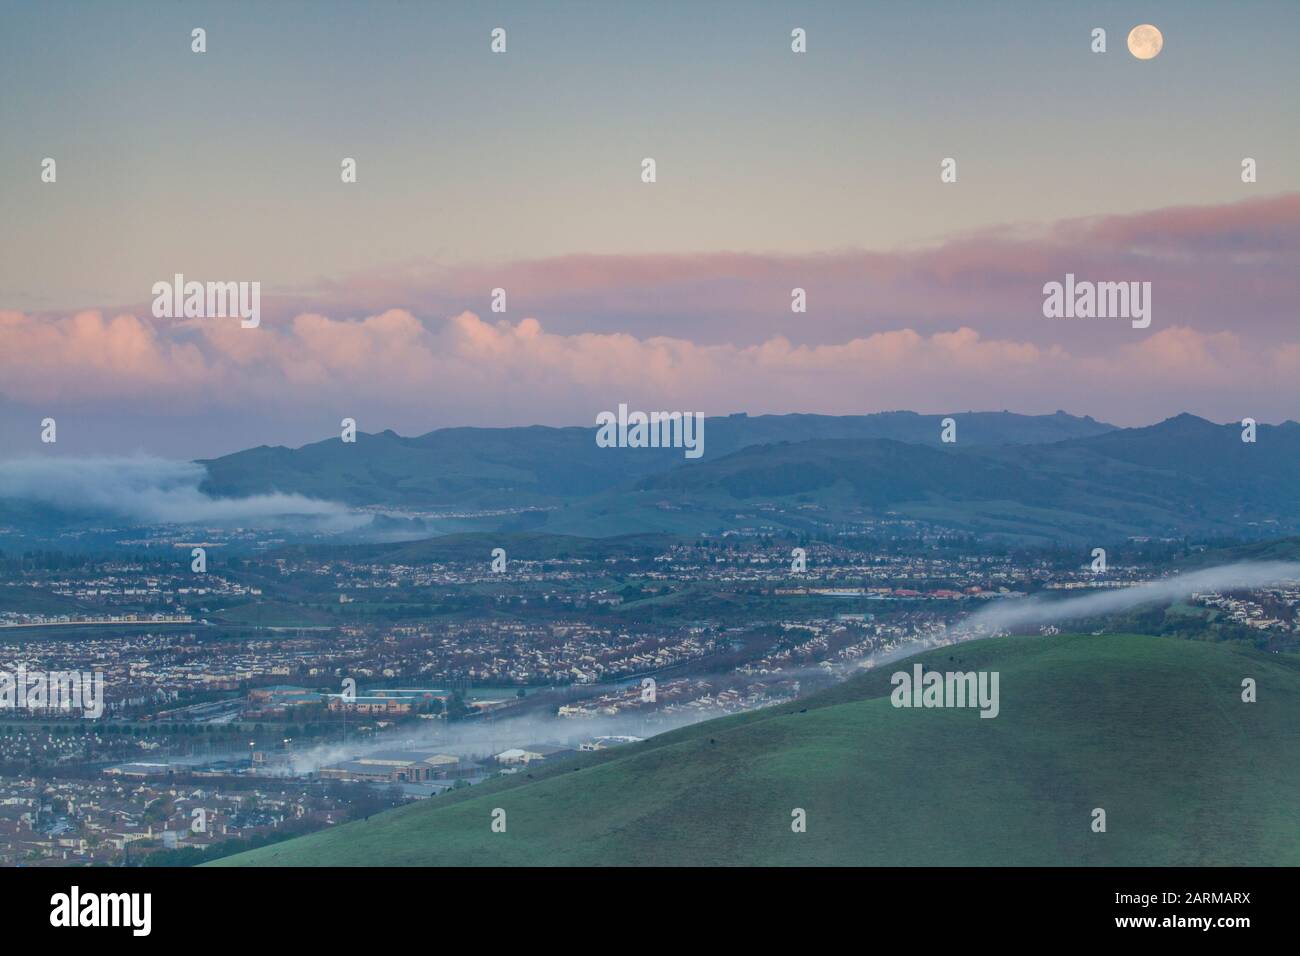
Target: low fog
x,y
1016,614
479,738
159,491
1011,615
483,737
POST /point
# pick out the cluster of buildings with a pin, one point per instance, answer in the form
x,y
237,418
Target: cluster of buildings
x,y
136,585
121,818
1275,609
38,619
407,767
203,700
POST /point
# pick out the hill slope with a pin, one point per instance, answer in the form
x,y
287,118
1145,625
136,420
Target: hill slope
x,y
1185,476
493,467
1150,729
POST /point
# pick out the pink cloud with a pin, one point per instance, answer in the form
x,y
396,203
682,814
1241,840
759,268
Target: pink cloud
x,y
955,326
1232,266
518,372
83,355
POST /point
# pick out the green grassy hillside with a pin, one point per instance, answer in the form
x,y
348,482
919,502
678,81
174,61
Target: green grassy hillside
x,y
1153,730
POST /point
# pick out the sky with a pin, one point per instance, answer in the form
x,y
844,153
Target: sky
x,y
522,171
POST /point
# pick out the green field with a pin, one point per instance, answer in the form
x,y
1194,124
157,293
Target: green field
x,y
1151,729
271,613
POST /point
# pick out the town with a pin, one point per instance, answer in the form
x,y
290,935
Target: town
x,y
291,689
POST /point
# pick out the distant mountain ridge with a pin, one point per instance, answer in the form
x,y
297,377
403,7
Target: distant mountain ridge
x,y
538,465
1082,480
1029,479
1184,476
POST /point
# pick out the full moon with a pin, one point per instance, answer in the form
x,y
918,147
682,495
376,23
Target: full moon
x,y
1145,41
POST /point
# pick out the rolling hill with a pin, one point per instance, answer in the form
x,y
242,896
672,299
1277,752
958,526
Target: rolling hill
x,y
1150,729
1051,479
1184,476
518,467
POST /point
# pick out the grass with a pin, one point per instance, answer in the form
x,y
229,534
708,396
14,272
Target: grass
x,y
1151,729
277,614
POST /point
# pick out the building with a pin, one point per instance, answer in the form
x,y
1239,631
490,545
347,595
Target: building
x,y
139,771
397,766
278,700
391,701
531,752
